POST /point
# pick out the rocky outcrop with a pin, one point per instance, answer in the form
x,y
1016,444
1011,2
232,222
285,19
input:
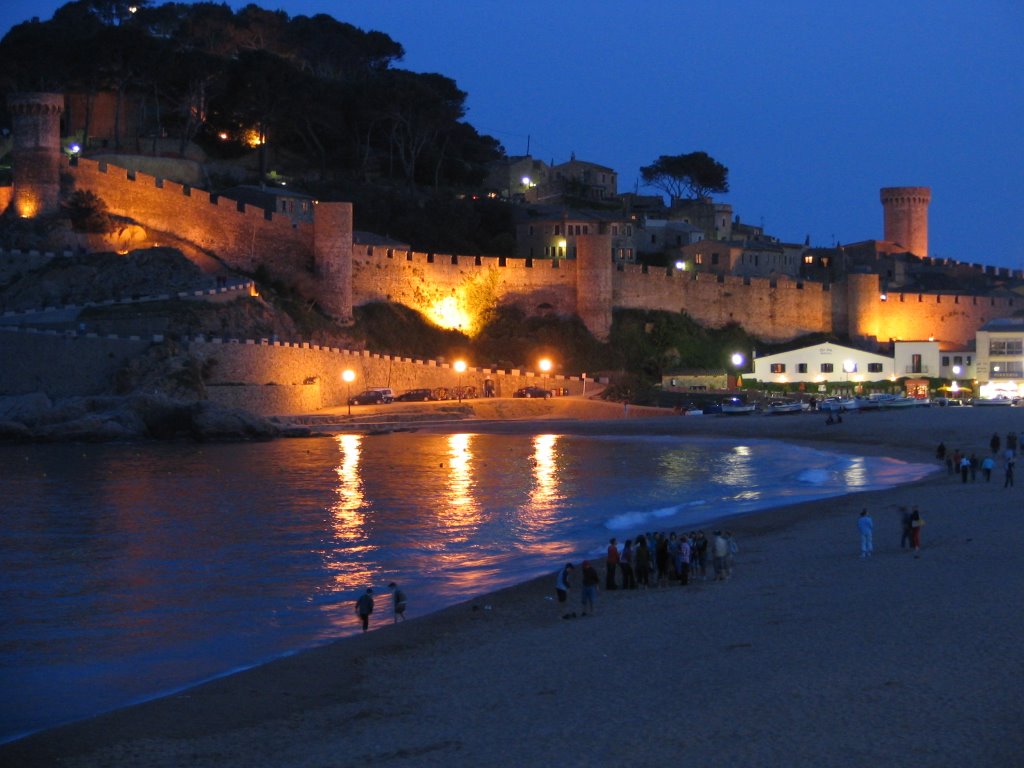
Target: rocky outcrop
x,y
35,417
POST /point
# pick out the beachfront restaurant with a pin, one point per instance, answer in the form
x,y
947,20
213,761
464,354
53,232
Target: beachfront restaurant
x,y
824,366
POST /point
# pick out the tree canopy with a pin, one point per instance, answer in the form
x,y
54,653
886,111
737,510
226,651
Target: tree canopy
x,y
694,176
321,97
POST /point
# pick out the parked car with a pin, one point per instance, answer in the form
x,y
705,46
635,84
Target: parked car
x,y
416,395
532,392
369,397
464,393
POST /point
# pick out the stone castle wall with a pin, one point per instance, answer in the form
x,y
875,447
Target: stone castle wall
x,y
269,378
244,237
950,318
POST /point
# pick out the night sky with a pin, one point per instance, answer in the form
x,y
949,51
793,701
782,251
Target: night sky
x,y
812,106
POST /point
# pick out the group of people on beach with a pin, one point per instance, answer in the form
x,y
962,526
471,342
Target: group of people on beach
x,y
911,522
650,560
364,605
967,467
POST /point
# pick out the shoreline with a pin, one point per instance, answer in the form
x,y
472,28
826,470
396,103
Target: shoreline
x,y
294,706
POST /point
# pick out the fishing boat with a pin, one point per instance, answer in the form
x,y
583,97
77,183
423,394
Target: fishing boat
x,y
735,406
783,405
999,400
837,404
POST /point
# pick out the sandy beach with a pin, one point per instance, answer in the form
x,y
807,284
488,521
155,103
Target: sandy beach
x,y
808,656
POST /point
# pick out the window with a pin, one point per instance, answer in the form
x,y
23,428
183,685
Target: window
x,y
586,229
778,367
714,258
698,259
615,229
558,229
874,367
1006,347
1008,369
915,364
958,360
945,361
531,229
801,367
827,368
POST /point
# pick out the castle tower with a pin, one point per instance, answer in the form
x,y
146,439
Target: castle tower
x,y
906,217
332,255
594,283
36,154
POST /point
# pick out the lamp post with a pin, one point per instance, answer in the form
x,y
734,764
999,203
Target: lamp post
x,y
460,368
545,365
737,360
348,376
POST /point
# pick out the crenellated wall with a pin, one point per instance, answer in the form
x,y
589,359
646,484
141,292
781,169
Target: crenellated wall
x,y
916,316
454,290
261,376
243,236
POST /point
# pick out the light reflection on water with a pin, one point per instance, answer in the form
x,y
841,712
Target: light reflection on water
x,y
130,570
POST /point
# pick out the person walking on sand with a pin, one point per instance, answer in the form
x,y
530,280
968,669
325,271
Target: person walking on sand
x,y
562,585
626,564
734,549
916,523
866,526
905,526
965,467
590,582
398,601
611,565
719,551
987,465
364,607
1008,482
994,442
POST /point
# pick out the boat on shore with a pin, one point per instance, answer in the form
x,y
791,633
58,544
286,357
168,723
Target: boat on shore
x,y
984,401
837,404
783,405
735,406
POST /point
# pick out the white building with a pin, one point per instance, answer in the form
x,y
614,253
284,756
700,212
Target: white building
x,y
825,364
999,357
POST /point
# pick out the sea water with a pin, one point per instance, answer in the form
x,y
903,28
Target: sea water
x,y
129,571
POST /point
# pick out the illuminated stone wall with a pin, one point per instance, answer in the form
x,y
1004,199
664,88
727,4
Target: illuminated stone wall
x,y
917,316
245,237
453,291
6,195
263,377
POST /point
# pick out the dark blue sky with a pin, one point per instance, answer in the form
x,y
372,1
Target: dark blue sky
x,y
812,106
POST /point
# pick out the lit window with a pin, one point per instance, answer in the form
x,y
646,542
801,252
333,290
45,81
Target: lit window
x,y
778,367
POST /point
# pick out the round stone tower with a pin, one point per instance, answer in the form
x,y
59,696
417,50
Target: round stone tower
x,y
906,217
36,154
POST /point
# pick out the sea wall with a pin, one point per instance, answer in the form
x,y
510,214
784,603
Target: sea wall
x,y
265,377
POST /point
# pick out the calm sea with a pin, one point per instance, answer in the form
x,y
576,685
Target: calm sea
x,y
130,571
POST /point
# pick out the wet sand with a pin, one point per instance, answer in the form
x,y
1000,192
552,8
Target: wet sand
x,y
809,655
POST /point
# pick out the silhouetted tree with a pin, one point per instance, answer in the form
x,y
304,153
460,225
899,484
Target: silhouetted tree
x,y
695,175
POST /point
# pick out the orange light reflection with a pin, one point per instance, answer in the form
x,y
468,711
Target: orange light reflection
x,y
348,520
461,512
542,510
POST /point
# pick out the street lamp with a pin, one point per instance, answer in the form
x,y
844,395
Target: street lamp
x,y
545,366
348,376
737,360
460,368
